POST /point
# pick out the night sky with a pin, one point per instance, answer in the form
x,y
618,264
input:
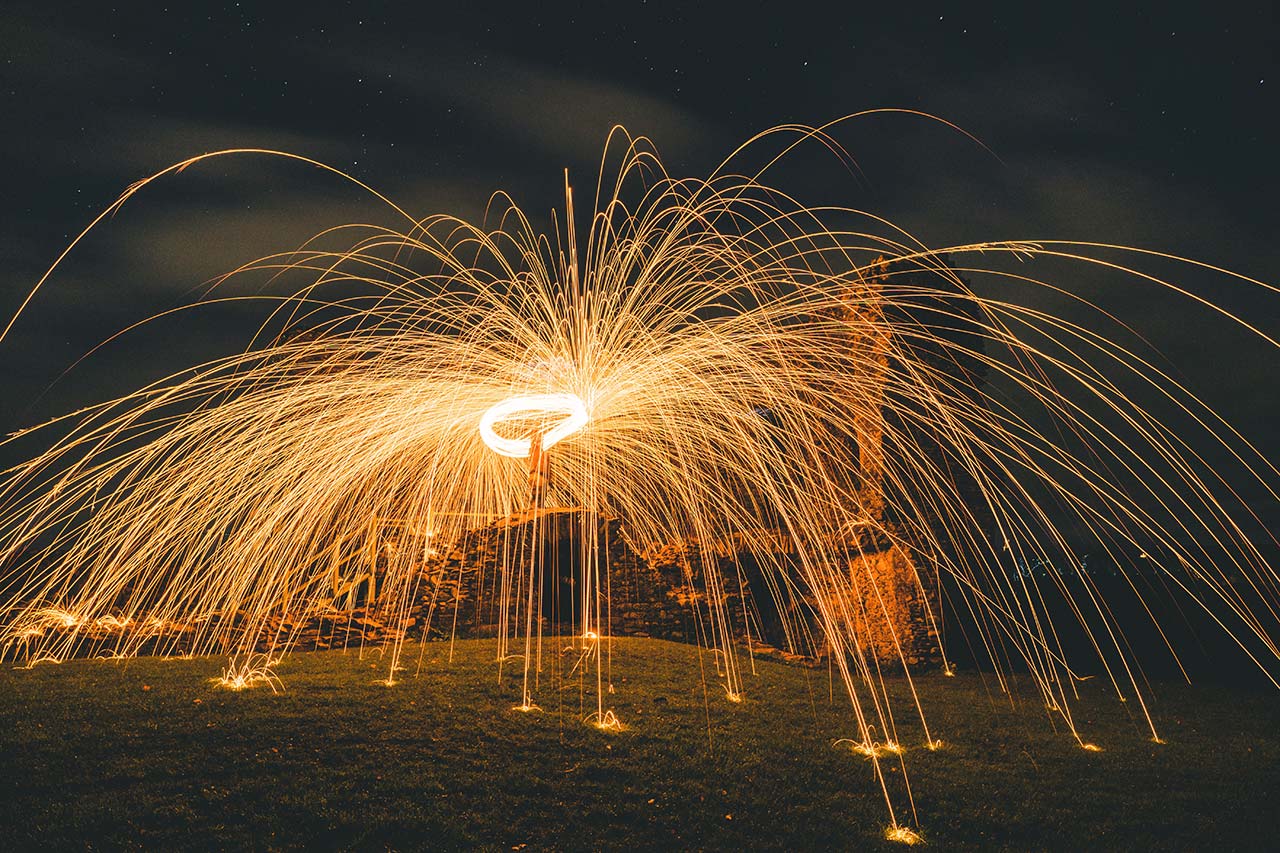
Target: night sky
x,y
1146,128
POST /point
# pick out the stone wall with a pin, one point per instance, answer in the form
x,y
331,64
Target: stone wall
x,y
663,593
888,601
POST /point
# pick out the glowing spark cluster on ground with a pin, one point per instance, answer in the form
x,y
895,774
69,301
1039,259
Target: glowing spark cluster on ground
x,y
699,371
252,671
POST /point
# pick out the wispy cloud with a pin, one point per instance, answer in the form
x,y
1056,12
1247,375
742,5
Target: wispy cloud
x,y
560,114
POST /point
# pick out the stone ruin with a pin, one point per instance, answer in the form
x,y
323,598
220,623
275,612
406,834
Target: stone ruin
x,y
663,592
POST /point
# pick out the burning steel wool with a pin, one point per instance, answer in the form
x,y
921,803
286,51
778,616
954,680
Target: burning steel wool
x,y
717,364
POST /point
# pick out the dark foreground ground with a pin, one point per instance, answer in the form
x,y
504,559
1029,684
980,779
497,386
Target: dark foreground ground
x,y
150,754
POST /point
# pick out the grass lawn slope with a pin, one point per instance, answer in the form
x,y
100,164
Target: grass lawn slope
x,y
149,753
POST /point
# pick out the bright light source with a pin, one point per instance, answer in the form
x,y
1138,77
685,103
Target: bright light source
x,y
569,405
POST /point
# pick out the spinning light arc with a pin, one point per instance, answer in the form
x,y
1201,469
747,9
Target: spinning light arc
x,y
569,405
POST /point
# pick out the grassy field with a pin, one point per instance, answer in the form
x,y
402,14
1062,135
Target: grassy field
x,y
149,754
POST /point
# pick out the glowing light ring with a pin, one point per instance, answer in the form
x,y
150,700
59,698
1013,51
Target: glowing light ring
x,y
569,405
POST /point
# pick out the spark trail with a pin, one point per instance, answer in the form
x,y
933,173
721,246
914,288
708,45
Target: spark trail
x,y
700,371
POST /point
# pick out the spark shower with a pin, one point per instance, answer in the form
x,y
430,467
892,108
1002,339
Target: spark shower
x,y
701,369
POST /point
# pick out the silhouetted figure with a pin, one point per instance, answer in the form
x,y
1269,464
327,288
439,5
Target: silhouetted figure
x,y
539,471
